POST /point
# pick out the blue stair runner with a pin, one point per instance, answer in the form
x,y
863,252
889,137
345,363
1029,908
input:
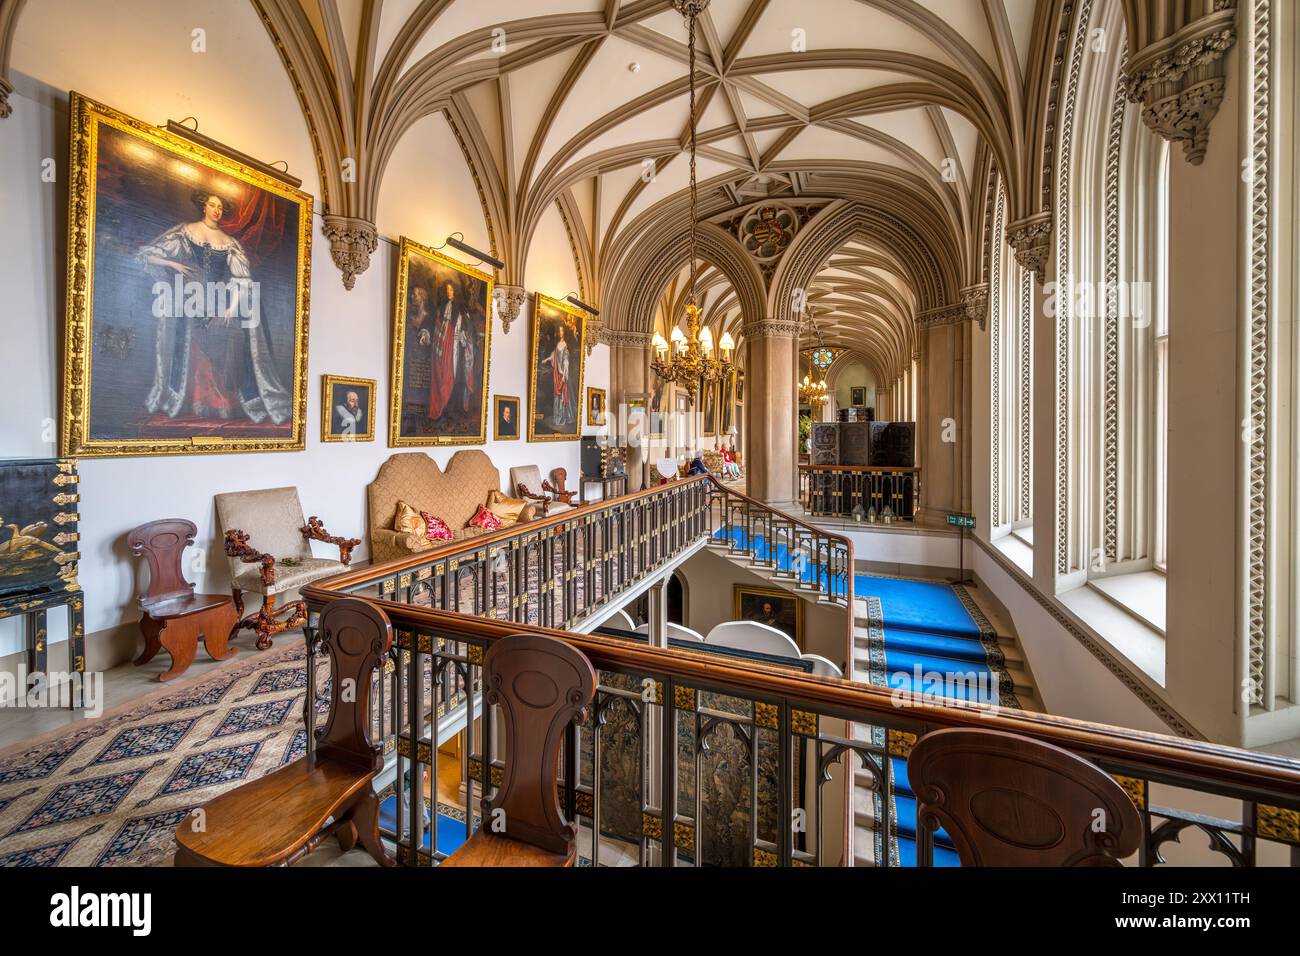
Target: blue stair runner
x,y
915,624
926,625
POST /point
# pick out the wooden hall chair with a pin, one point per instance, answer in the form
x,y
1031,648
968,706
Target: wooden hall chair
x,y
1008,800
174,616
281,817
541,684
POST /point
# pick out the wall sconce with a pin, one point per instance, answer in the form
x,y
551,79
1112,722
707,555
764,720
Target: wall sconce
x,y
457,241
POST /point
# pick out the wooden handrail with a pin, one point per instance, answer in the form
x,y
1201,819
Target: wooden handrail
x,y
806,525
1272,775
369,573
450,550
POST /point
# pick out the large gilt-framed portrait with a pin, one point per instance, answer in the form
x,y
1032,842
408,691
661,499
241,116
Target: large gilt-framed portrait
x,y
347,408
187,296
709,407
727,386
442,332
556,362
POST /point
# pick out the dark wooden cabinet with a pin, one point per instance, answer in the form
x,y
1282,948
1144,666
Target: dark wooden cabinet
x,y
39,552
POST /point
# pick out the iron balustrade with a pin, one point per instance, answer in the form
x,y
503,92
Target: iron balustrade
x,y
838,489
695,757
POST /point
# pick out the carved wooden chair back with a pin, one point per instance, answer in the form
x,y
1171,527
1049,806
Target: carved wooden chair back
x,y
356,636
1008,800
541,684
162,544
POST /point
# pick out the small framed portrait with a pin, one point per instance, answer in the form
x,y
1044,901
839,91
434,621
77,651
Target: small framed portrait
x,y
772,606
506,418
595,406
740,387
859,396
638,419
347,408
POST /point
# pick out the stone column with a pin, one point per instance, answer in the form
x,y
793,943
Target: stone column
x,y
657,600
939,429
1209,442
772,422
629,374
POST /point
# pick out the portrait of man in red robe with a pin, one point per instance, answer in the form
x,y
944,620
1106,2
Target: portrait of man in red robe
x,y
441,359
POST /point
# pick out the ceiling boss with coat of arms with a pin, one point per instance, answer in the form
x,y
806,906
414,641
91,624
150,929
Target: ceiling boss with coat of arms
x,y
767,229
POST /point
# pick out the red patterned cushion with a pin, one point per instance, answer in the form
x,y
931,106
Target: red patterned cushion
x,y
484,519
435,529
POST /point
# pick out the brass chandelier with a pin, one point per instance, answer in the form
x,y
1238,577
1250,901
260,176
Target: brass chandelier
x,y
690,357
812,392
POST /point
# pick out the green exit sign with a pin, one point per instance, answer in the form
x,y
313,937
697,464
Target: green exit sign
x,y
961,520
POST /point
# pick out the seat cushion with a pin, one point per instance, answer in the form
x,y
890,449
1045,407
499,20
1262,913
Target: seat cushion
x,y
287,577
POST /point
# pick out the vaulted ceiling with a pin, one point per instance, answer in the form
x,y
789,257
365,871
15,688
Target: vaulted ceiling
x,y
584,104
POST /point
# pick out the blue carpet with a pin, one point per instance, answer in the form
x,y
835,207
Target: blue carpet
x,y
760,549
451,831
933,627
926,606
913,624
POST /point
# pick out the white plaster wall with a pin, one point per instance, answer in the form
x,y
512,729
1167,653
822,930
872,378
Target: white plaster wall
x,y
142,64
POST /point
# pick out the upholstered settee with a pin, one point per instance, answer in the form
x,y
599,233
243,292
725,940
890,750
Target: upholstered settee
x,y
453,494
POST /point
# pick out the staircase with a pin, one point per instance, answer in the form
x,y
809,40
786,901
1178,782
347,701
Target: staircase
x,y
927,637
980,648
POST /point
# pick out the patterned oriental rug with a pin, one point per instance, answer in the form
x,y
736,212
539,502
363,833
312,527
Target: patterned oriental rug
x,y
111,792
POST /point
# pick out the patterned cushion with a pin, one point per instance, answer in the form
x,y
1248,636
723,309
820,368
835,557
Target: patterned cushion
x,y
408,519
435,528
504,507
484,519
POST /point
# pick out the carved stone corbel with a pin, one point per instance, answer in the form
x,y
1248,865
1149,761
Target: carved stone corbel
x,y
509,300
1032,241
1179,79
351,242
5,89
943,315
595,333
976,300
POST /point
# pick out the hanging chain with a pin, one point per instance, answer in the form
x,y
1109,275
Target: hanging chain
x,y
690,24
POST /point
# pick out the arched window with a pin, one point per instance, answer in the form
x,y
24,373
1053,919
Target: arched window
x,y
1011,357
